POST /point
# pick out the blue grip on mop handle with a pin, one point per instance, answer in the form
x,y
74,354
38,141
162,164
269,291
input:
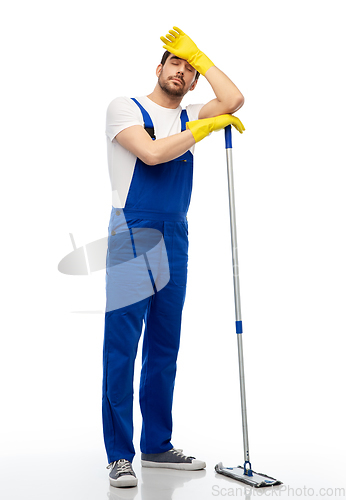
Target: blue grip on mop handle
x,y
239,327
228,136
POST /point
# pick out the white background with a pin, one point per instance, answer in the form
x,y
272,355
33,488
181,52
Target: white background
x,y
62,64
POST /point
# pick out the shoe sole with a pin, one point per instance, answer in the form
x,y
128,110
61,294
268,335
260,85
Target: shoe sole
x,y
171,465
124,481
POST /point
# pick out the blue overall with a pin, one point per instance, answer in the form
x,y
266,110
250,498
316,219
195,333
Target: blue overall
x,y
158,198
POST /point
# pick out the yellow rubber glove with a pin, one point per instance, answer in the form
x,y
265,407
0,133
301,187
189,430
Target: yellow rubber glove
x,y
183,47
202,128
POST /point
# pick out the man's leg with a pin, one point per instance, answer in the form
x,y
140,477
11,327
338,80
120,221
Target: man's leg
x,y
161,344
123,328
125,276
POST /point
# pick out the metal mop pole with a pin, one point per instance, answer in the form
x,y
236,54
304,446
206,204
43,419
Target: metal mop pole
x,y
245,474
239,326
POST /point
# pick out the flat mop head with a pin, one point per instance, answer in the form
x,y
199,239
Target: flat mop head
x,y
256,479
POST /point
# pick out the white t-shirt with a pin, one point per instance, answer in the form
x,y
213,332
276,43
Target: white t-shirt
x,y
122,113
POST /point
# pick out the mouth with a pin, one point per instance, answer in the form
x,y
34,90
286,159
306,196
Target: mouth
x,y
177,80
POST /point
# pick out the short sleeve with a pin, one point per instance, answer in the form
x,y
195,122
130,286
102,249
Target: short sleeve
x,y
193,111
122,113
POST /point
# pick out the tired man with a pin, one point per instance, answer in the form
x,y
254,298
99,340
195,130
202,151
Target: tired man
x,y
150,143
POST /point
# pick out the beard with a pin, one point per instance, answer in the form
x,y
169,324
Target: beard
x,y
172,89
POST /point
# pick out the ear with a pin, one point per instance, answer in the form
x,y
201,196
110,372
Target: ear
x,y
158,70
193,85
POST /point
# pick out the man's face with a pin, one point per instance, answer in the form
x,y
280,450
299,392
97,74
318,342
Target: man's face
x,y
176,76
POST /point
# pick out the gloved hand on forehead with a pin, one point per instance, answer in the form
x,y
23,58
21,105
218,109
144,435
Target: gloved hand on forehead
x,y
183,47
202,128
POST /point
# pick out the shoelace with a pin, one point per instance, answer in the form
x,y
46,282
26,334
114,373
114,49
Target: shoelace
x,y
122,464
179,453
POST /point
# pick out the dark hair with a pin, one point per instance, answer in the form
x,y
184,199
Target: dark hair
x,y
165,57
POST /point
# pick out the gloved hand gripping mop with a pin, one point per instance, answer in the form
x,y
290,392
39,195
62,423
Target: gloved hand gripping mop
x,y
245,473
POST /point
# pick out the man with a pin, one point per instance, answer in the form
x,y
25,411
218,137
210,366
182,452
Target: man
x,y
150,152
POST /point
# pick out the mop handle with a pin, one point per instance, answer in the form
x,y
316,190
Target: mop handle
x,y
239,326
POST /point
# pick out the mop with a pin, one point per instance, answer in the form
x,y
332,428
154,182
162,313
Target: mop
x,y
241,473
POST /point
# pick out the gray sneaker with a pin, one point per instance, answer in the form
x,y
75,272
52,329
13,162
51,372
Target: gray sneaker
x,y
121,474
171,459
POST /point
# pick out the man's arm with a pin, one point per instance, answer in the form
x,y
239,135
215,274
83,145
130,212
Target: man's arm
x,y
124,125
136,140
228,97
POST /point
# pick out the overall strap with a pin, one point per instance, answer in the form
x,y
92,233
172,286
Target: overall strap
x,y
148,124
183,118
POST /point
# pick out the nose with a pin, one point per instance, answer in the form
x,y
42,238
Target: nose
x,y
181,68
